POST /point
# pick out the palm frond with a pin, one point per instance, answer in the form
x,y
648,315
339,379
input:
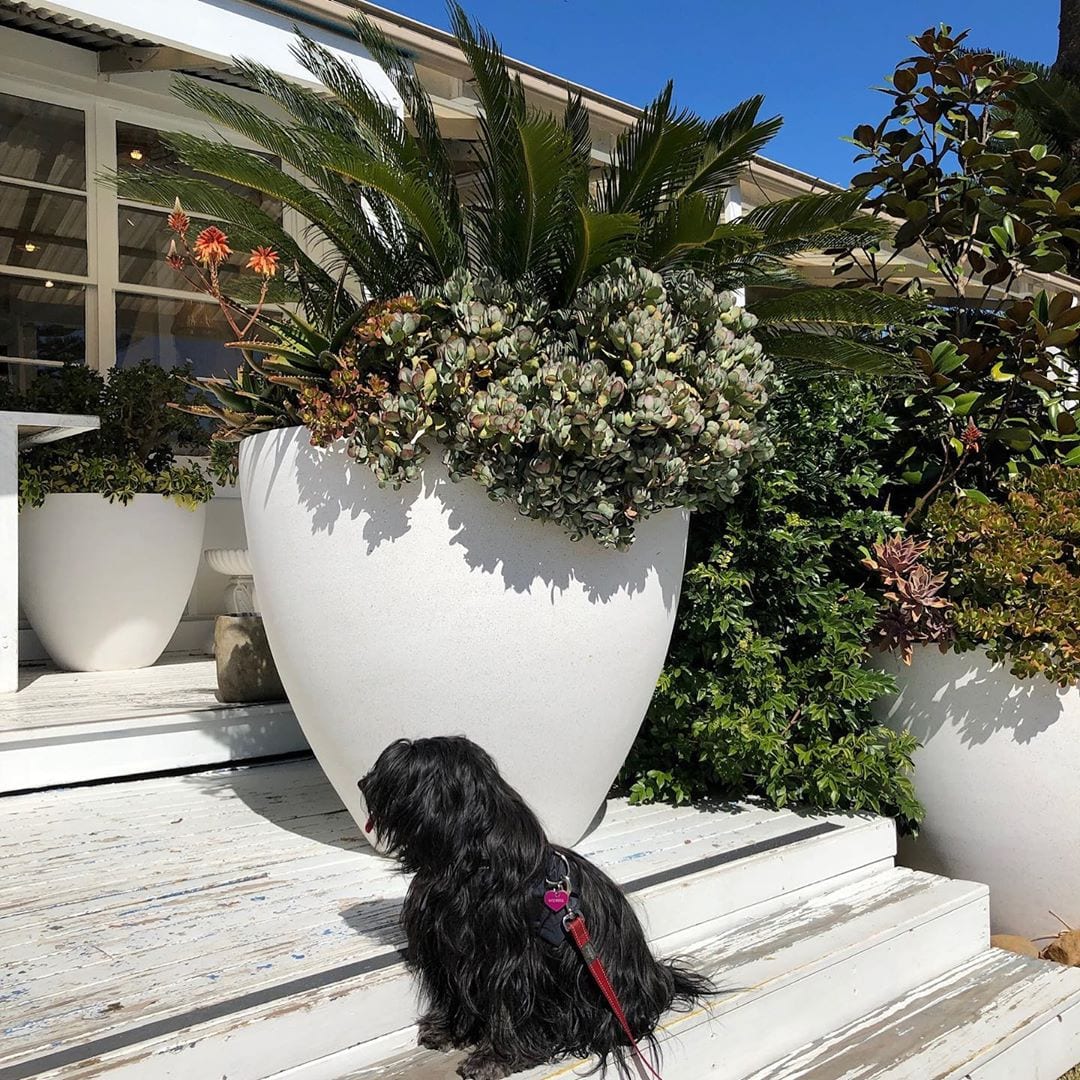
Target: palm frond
x,y
652,160
837,307
597,239
428,147
576,124
813,215
495,233
682,230
417,202
342,220
732,141
249,225
808,351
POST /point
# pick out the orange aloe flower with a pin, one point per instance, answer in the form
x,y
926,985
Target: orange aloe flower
x,y
264,260
179,222
211,246
173,257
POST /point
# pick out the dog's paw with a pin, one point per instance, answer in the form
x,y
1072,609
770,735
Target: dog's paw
x,y
482,1065
433,1036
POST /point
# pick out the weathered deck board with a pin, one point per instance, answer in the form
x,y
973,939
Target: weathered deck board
x,y
48,697
999,1015
65,727
127,903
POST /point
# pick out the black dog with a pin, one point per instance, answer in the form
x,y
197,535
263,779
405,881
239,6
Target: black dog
x,y
495,963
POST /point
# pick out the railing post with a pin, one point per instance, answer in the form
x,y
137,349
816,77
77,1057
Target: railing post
x,y
9,558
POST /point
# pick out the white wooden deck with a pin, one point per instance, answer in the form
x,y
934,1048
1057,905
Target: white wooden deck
x,y
211,912
233,924
64,727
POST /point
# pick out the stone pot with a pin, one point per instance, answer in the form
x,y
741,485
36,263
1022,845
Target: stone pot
x,y
433,610
104,584
245,666
997,773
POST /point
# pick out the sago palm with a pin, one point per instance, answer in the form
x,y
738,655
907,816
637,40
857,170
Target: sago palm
x,y
385,215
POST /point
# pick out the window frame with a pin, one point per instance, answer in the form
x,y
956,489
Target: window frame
x,y
32,91
102,282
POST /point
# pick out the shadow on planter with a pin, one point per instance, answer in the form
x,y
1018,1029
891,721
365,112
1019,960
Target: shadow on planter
x,y
974,698
996,771
479,525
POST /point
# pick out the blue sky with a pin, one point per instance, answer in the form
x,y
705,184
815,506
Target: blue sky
x,y
815,60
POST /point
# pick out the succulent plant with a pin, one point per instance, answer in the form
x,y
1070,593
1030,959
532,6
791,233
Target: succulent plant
x,y
642,394
915,610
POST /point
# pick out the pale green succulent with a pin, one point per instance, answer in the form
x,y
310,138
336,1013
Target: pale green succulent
x,y
644,394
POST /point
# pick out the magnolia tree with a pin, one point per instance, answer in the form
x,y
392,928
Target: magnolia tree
x,y
981,217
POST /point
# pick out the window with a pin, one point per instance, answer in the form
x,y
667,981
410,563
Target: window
x,y
44,255
154,320
83,275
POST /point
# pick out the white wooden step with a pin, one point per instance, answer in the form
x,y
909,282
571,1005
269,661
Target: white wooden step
x,y
784,978
234,922
68,727
998,1017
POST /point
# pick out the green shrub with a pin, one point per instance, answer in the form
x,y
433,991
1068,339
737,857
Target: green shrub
x,y
1013,573
133,452
768,686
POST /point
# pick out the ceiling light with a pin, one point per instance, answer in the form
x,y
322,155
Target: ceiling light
x,y
49,284
29,246
136,154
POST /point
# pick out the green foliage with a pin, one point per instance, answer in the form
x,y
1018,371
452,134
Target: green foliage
x,y
385,210
769,685
1014,573
640,395
1048,115
998,377
133,452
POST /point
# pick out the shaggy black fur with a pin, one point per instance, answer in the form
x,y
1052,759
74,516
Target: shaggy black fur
x,y
492,983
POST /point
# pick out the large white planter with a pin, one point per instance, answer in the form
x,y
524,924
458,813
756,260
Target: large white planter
x,y
435,611
999,775
103,584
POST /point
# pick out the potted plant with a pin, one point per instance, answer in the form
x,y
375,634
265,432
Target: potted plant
x,y
995,705
466,487
110,531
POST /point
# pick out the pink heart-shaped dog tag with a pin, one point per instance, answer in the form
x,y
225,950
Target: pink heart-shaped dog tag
x,y
556,899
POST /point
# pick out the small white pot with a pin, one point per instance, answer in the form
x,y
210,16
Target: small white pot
x,y
433,610
103,584
999,775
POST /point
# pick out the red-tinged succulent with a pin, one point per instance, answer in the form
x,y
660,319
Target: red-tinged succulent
x,y
915,610
1014,573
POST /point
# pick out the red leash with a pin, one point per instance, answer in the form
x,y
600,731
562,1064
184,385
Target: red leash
x,y
575,927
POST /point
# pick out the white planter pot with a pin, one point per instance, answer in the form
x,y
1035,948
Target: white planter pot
x,y
435,611
998,775
104,585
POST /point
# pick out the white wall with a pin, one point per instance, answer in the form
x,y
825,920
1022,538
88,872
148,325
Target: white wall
x,y
221,29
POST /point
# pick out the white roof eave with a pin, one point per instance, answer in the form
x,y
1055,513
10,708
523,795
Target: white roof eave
x,y
215,31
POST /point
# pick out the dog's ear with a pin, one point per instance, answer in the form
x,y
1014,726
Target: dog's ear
x,y
441,805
